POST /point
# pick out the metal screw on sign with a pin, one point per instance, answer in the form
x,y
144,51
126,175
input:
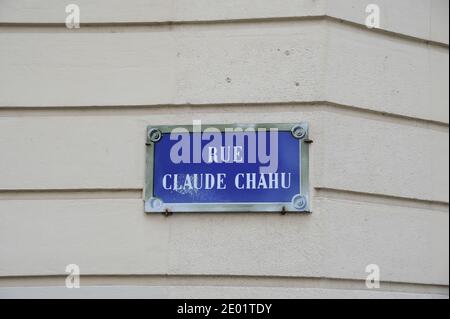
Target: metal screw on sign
x,y
300,202
298,132
154,135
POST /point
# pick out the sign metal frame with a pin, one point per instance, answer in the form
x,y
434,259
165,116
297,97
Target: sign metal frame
x,y
300,203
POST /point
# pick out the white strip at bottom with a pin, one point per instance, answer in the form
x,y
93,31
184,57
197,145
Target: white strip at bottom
x,y
202,292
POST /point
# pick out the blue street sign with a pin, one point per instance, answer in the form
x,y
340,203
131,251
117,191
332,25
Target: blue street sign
x,y
220,168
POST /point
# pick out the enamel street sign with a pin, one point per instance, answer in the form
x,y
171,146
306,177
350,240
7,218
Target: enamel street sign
x,y
227,168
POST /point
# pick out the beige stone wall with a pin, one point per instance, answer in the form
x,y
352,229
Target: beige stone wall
x,y
74,105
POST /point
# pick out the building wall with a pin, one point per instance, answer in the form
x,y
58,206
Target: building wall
x,y
74,105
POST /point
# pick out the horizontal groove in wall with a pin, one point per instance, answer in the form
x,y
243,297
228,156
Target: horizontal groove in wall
x,y
338,194
132,110
170,25
327,193
221,280
67,194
